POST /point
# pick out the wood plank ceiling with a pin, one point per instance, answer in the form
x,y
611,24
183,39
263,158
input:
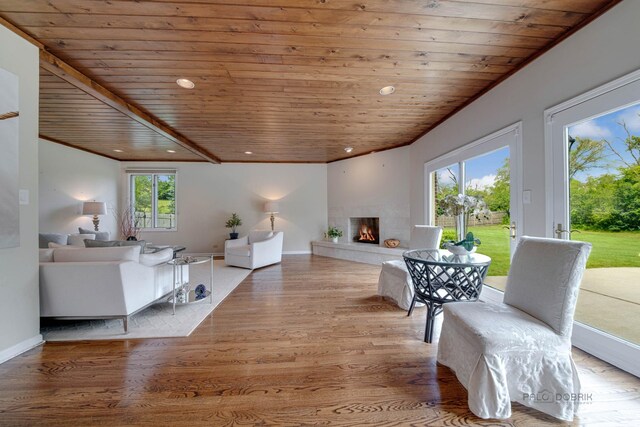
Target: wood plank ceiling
x,y
288,80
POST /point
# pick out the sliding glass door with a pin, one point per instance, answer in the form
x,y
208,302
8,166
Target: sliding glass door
x,y
487,169
593,173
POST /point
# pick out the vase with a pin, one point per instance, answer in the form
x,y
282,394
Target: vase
x,y
461,227
233,236
334,239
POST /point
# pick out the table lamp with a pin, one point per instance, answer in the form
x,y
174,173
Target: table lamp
x,y
271,208
94,208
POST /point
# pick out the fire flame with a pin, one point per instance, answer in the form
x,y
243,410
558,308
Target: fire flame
x,y
366,234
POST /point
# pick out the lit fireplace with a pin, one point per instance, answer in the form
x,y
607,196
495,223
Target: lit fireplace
x,y
366,230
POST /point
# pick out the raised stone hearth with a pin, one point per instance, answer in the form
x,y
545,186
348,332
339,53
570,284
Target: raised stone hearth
x,y
358,252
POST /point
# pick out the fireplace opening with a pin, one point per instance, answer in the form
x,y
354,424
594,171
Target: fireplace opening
x,y
366,230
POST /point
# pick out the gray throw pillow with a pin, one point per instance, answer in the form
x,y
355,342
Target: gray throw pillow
x,y
45,238
111,243
100,235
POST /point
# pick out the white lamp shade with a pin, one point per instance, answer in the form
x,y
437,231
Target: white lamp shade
x,y
94,208
271,207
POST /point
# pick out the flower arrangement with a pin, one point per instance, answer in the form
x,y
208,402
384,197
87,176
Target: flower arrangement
x,y
461,207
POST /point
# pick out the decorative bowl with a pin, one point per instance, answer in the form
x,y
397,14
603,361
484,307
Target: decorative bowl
x,y
458,250
392,243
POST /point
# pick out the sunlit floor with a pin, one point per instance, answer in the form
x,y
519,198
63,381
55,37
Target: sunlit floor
x,y
609,300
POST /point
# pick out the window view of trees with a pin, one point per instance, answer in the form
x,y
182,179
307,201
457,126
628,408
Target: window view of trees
x,y
605,176
163,193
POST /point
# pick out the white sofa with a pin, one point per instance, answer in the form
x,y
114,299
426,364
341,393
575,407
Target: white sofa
x,y
102,282
258,249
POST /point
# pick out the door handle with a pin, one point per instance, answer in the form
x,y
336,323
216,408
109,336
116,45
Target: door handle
x,y
512,230
560,231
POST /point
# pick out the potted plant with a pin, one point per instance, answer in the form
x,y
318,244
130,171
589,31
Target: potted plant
x,y
333,233
233,224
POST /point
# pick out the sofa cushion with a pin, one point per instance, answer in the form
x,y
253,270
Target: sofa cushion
x,y
46,255
45,238
156,258
259,235
73,254
100,235
78,239
114,243
244,250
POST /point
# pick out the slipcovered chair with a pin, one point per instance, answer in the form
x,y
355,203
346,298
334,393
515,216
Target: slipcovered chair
x,y
258,249
394,281
520,350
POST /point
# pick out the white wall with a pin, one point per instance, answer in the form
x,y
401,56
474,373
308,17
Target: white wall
x,y
19,304
207,194
67,178
374,185
602,51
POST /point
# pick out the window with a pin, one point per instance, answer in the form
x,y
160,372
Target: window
x,y
153,199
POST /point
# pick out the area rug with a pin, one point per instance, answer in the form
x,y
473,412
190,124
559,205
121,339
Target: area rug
x,y
156,321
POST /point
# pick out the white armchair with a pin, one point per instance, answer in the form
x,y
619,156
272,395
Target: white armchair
x,y
258,249
520,350
394,281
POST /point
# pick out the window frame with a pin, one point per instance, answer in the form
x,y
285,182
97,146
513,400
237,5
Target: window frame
x,y
154,199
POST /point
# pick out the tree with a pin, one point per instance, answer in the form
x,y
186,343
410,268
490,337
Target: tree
x,y
498,197
592,201
585,154
626,201
632,147
444,189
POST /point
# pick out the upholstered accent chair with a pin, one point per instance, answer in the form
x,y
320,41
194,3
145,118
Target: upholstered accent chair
x,y
394,281
258,249
520,350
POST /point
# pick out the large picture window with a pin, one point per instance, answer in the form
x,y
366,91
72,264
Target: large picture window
x,y
153,199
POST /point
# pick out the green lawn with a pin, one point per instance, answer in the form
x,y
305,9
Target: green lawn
x,y
609,249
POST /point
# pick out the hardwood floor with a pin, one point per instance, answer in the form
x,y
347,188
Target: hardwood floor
x,y
304,342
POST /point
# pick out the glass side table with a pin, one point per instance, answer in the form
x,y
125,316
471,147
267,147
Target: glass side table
x,y
179,284
440,277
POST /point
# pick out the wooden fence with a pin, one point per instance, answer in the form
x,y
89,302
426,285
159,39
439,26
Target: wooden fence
x,y
494,218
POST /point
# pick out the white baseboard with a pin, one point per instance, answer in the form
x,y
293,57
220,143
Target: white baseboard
x,y
222,253
20,348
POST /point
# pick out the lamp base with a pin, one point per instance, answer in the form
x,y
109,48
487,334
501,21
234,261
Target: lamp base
x,y
96,222
273,219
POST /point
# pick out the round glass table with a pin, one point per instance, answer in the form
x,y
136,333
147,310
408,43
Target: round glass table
x,y
440,277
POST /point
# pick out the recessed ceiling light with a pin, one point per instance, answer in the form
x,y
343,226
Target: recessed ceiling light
x,y
387,90
248,152
348,149
171,151
186,83
118,151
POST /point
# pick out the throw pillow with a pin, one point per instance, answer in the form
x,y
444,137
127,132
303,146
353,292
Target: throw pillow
x,y
53,245
45,238
100,235
78,239
114,243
